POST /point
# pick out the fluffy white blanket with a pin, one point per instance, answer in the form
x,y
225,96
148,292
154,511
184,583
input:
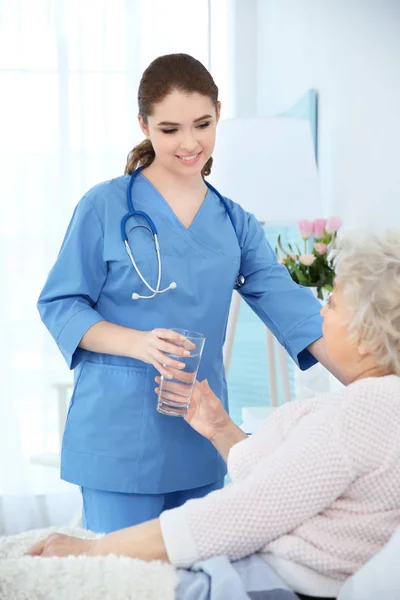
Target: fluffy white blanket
x,y
25,577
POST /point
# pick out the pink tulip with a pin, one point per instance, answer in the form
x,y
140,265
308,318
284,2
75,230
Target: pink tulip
x,y
305,228
333,224
319,228
307,259
321,248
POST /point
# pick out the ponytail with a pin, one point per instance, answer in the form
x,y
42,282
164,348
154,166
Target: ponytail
x,y
141,155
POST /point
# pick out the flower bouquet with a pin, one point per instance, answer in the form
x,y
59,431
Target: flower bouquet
x,y
312,268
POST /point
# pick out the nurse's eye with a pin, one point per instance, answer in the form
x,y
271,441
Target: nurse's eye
x,y
203,125
169,131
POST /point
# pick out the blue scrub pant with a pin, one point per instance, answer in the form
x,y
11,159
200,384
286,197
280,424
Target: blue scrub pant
x,y
104,511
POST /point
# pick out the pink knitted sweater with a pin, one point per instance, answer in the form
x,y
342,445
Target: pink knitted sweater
x,y
316,490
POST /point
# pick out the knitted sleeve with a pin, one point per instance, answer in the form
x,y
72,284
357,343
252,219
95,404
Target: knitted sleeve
x,y
245,455
304,475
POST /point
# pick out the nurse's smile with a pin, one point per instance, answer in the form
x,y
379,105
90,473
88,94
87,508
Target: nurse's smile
x,y
189,160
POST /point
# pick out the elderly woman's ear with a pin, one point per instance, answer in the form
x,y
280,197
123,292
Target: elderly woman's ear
x,y
365,349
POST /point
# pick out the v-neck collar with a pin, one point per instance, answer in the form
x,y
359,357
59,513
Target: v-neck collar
x,y
170,211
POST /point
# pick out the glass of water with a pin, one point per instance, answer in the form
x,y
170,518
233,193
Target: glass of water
x,y
175,394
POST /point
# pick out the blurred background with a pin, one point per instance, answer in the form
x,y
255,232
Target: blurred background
x,y
69,72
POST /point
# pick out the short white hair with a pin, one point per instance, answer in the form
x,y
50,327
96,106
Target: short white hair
x,y
367,267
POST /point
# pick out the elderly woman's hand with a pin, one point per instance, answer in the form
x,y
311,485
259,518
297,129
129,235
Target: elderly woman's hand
x,y
58,544
206,413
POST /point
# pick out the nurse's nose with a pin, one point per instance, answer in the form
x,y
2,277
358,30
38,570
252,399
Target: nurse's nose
x,y
188,143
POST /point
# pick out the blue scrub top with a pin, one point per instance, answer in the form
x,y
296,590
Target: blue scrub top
x,y
114,437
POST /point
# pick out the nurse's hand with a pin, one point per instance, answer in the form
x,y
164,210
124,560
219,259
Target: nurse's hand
x,y
206,413
155,346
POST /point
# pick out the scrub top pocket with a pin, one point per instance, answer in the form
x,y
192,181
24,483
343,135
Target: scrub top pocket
x,y
106,413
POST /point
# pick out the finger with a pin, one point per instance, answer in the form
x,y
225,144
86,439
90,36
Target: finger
x,y
166,360
175,388
207,391
173,336
168,334
183,376
182,390
197,390
37,549
161,369
160,344
205,388
168,397
188,344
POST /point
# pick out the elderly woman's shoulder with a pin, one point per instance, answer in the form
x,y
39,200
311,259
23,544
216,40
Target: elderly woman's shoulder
x,y
387,385
379,396
368,420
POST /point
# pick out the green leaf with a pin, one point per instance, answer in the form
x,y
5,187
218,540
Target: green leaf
x,y
281,246
301,276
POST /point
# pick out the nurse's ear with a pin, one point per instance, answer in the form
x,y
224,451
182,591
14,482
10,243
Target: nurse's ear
x,y
218,110
143,126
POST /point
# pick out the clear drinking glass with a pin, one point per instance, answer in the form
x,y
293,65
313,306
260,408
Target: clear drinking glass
x,y
175,394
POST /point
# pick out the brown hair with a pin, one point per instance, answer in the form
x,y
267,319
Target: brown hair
x,y
167,73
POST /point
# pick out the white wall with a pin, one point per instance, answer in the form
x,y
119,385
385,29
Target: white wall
x,y
349,50
245,63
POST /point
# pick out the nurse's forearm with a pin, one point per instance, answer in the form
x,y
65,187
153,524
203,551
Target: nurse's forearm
x,y
144,541
108,338
317,349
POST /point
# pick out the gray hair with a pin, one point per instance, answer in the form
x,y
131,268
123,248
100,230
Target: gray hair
x,y
367,267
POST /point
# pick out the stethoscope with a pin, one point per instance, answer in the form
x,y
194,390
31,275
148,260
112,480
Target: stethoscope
x,y
240,279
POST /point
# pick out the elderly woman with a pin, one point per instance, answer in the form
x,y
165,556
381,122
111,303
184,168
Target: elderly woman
x,y
316,490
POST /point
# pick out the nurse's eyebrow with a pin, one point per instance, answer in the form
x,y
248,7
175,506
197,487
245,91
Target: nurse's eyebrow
x,y
176,124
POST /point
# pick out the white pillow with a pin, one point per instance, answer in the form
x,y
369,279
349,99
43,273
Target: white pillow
x,y
379,577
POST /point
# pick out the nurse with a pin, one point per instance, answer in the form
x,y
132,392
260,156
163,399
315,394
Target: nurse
x,y
130,461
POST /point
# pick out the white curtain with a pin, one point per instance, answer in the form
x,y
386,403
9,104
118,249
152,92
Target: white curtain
x,y
69,71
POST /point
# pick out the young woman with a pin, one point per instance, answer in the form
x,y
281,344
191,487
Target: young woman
x,y
112,297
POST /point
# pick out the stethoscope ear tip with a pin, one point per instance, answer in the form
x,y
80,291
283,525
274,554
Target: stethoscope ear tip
x,y
135,296
172,285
